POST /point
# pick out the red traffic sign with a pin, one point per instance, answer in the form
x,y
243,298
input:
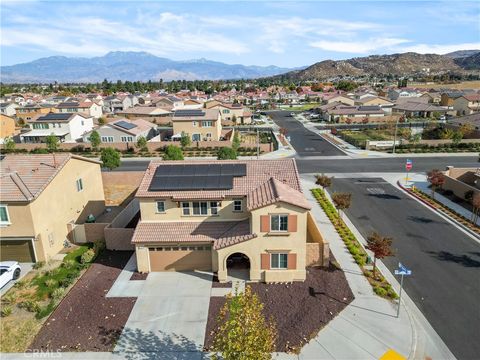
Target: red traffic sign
x,y
408,165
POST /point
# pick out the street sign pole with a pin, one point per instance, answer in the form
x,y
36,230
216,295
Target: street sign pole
x,y
400,296
408,167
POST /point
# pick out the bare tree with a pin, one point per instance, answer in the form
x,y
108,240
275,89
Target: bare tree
x,y
380,246
323,180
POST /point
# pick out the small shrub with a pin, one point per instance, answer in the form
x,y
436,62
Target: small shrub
x,y
98,246
29,305
51,283
87,256
10,298
21,284
66,282
6,311
380,291
46,310
392,294
69,264
57,294
38,265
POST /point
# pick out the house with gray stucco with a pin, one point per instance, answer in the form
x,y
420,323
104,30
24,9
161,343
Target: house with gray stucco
x,y
124,130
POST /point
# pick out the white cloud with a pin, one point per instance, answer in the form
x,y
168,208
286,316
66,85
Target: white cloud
x,y
366,46
440,49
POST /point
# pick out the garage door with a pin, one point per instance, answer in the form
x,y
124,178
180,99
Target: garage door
x,y
17,250
180,258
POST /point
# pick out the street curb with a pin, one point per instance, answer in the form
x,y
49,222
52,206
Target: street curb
x,y
418,198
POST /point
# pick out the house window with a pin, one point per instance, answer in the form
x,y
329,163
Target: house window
x,y
209,135
279,222
226,111
237,205
40,126
186,208
214,208
160,206
200,208
107,139
278,261
4,218
127,138
196,137
79,185
83,123
194,123
207,123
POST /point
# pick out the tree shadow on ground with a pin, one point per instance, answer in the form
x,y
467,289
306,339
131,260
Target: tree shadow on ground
x,y
463,260
136,344
385,196
422,220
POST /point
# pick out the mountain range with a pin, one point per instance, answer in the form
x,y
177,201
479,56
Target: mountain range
x,y
132,66
142,66
463,61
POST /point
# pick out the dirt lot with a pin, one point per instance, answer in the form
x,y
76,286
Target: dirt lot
x,y
463,85
86,320
120,185
300,309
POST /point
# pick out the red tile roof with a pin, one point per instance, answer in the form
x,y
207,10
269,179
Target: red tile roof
x,y
273,191
221,233
24,177
257,173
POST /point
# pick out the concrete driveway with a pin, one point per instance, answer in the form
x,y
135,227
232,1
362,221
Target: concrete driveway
x,y
25,269
169,317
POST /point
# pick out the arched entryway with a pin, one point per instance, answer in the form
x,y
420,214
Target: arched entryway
x,y
238,267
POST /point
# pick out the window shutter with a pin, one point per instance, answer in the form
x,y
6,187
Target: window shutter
x,y
264,223
292,261
292,223
265,261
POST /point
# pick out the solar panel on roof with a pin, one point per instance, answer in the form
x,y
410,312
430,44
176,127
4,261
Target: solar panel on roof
x,y
196,176
55,116
125,125
192,112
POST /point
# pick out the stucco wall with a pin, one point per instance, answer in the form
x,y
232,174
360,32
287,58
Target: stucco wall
x,y
119,239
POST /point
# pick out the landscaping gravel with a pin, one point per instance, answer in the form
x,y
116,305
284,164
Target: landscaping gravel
x,y
299,310
86,320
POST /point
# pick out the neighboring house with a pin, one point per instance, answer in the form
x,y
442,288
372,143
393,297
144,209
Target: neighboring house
x,y
57,99
66,127
232,114
341,99
88,107
418,109
342,112
151,113
230,213
31,111
8,109
7,127
462,180
199,124
395,94
124,130
384,104
448,98
467,104
42,198
168,102
432,97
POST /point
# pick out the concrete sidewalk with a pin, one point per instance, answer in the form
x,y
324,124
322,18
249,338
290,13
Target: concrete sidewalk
x,y
368,327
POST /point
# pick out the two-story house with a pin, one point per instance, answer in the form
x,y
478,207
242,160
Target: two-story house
x,y
8,108
219,215
31,111
67,127
467,104
88,107
124,130
232,114
7,127
199,124
41,197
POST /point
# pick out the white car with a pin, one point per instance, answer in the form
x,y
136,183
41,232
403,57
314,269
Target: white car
x,y
9,270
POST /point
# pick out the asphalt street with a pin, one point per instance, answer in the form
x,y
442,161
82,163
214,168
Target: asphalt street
x,y
445,262
305,142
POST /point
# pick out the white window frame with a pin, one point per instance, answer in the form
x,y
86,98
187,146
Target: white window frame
x,y
196,137
278,257
186,209
208,135
207,123
194,123
5,222
163,206
235,203
200,208
79,183
126,138
107,139
279,216
214,208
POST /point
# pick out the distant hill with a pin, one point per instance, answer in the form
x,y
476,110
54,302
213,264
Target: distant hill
x,y
133,66
395,64
462,53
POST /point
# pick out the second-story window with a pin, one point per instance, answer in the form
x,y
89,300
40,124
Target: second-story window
x,y
279,222
79,185
194,123
207,123
200,208
160,206
214,208
4,218
237,205
186,208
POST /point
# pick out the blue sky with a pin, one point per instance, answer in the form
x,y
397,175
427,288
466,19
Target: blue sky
x,y
252,32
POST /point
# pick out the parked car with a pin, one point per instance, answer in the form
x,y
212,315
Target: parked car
x,y
292,114
9,270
